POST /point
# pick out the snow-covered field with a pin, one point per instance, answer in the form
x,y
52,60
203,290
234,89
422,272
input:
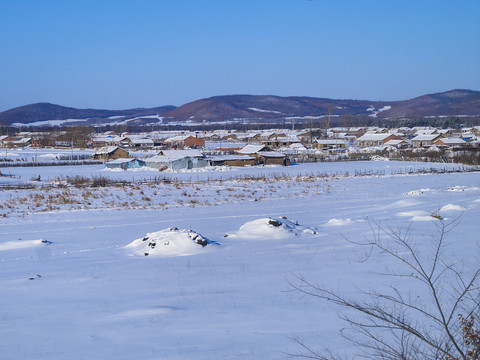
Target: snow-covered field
x,y
200,268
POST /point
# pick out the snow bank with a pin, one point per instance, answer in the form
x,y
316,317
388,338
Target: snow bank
x,y
168,243
22,244
462,188
452,207
417,192
379,158
424,218
340,222
271,229
418,215
136,313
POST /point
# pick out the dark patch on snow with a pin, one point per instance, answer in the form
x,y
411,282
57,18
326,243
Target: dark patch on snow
x,y
275,223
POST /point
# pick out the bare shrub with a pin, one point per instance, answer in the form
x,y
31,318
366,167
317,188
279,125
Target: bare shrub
x,y
391,324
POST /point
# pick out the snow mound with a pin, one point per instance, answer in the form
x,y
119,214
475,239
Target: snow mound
x,y
425,218
452,207
462,188
417,192
340,222
169,243
413,213
271,229
379,158
420,215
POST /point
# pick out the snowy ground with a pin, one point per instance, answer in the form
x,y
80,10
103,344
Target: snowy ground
x,y
76,285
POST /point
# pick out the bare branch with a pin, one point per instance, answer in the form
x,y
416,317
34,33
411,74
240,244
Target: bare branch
x,y
395,326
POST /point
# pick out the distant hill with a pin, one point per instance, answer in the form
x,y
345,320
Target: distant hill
x,y
453,102
223,108
253,108
47,112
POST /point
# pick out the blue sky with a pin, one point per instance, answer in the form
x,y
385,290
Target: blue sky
x,y
122,54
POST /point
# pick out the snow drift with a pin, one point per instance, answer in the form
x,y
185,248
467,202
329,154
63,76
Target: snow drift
x,y
169,242
340,222
22,244
271,229
452,207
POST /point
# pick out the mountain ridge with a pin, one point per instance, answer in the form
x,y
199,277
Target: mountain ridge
x,y
260,108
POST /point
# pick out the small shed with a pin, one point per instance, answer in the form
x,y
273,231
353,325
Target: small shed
x,y
264,155
231,160
125,163
272,158
177,159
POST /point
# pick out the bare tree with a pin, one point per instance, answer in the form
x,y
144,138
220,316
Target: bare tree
x,y
396,324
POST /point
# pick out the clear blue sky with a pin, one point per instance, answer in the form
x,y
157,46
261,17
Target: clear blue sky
x,y
121,54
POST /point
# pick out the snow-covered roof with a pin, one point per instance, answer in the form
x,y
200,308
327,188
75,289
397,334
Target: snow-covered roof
x,y
291,138
230,157
106,150
329,141
426,137
106,138
177,138
425,132
251,149
452,141
120,161
267,134
271,154
297,146
172,155
141,141
373,137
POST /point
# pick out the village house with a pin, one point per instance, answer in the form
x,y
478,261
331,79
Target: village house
x,y
450,142
272,158
252,150
141,143
264,155
229,137
251,137
6,140
329,144
279,141
124,164
420,141
399,144
177,159
102,141
368,139
231,160
185,141
110,153
15,142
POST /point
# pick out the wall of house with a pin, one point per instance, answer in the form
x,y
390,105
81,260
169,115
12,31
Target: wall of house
x,y
191,142
189,163
239,162
273,161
